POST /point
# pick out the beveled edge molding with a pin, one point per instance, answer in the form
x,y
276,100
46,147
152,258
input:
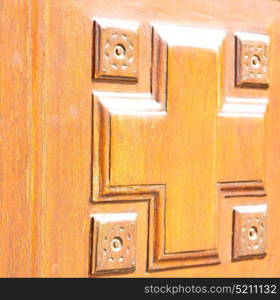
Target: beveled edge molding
x,y
244,107
154,102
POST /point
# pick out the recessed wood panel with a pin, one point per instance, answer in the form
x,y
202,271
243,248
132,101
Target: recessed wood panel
x,y
240,148
191,169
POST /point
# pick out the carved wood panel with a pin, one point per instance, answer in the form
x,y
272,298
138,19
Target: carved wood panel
x,y
164,109
128,123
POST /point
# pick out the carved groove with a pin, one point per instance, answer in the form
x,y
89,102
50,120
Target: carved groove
x,y
242,189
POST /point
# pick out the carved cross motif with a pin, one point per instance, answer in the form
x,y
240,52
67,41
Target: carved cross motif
x,y
173,143
161,145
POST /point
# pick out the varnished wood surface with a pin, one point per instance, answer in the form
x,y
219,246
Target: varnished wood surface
x,y
16,206
46,135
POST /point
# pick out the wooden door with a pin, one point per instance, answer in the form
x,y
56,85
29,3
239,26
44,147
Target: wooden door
x,y
140,138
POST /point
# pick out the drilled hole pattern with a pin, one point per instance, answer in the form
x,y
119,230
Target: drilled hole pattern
x,y
117,53
253,233
252,236
252,62
116,245
255,59
113,246
250,231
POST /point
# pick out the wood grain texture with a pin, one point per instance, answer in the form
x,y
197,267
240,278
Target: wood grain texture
x,y
46,147
15,101
221,16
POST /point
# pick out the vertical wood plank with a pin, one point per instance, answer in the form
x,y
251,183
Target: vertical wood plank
x,y
15,89
64,217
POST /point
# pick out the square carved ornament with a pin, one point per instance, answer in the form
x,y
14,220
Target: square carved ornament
x,y
114,242
250,231
252,60
116,50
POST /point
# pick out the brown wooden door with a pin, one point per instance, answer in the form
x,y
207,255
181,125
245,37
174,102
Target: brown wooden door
x,y
140,138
